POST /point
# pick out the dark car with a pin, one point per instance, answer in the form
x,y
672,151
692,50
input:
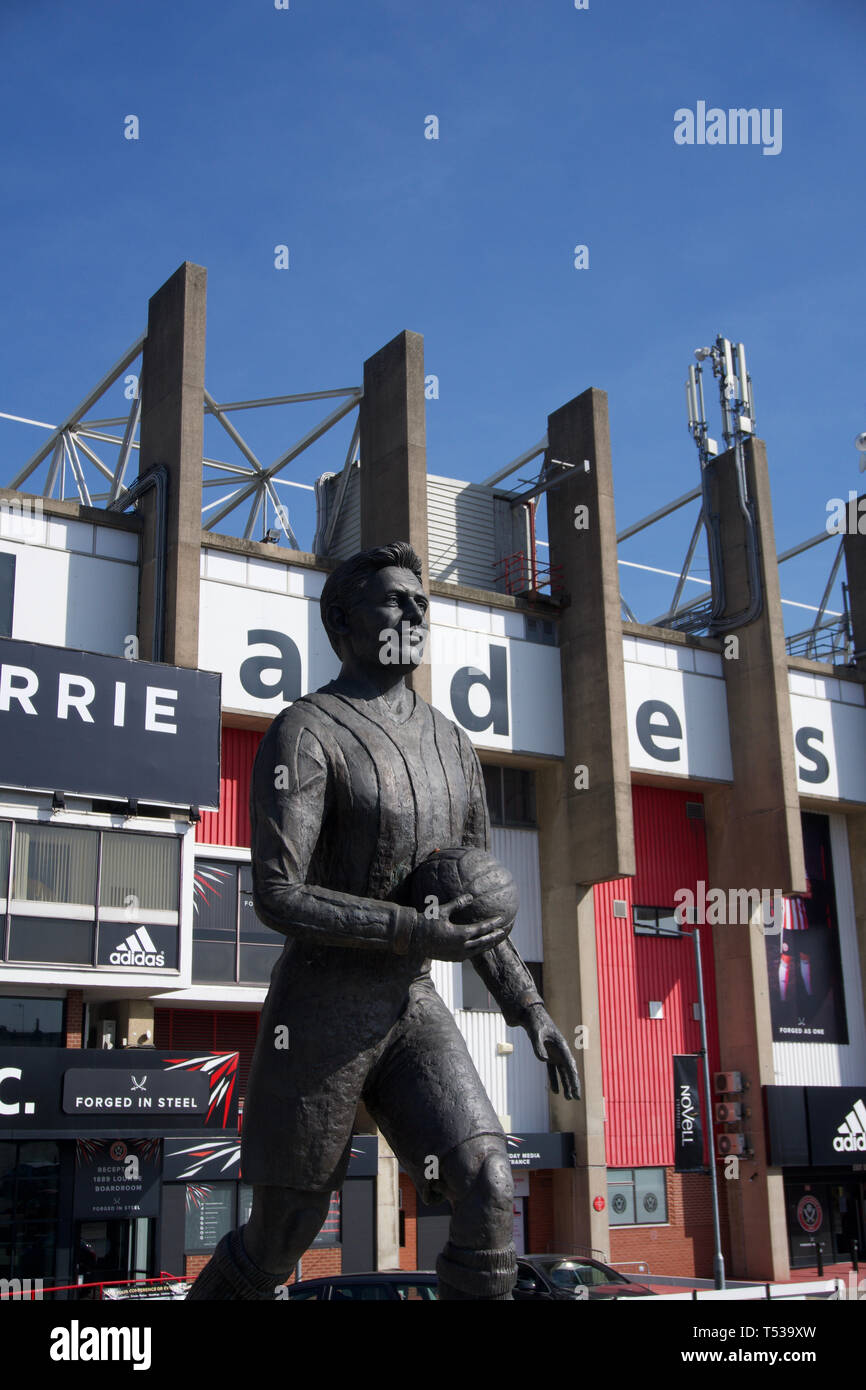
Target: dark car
x,y
389,1284
572,1277
547,1277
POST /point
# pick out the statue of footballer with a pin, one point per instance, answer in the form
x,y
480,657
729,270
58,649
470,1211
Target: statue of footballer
x,y
370,854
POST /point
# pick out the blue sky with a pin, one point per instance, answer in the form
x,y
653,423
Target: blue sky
x,y
305,126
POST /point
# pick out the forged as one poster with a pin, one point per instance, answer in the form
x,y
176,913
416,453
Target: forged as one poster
x,y
807,1001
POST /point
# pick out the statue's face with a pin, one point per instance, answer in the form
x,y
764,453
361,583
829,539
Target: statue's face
x,y
391,598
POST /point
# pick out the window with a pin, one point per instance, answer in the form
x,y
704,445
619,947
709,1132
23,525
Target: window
x,y
510,795
229,943
7,593
541,630
88,897
476,994
655,921
29,1184
29,1022
637,1196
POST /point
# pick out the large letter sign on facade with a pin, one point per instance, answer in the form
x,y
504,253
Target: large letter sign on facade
x,y
108,727
496,685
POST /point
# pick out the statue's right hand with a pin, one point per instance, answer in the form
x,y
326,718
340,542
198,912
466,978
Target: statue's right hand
x,y
442,939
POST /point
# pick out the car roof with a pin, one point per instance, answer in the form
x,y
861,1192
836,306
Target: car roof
x,y
380,1276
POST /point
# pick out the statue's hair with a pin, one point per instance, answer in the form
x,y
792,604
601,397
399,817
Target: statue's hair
x,y
345,585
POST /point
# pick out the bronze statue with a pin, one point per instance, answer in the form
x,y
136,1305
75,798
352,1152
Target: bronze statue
x,y
355,787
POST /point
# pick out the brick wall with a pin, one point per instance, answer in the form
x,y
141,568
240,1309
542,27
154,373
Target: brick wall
x,y
409,1206
540,1220
685,1245
316,1264
74,1018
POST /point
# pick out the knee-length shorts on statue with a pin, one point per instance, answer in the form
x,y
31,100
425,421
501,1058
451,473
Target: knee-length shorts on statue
x,y
416,1079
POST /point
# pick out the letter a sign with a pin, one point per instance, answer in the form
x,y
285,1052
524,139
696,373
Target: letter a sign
x,y
688,1126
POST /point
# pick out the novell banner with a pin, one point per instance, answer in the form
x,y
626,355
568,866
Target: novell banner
x,y
688,1126
107,727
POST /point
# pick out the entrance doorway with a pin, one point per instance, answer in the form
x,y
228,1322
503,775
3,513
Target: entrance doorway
x,y
831,1212
117,1250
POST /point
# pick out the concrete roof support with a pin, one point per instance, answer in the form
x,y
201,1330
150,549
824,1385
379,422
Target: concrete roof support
x,y
172,426
393,428
754,840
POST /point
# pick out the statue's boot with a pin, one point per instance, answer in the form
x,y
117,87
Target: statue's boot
x,y
476,1274
231,1274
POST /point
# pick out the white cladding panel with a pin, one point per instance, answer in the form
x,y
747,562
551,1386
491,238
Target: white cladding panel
x,y
838,732
518,851
690,683
76,585
514,685
227,617
530,684
833,1064
517,1083
678,720
346,539
460,529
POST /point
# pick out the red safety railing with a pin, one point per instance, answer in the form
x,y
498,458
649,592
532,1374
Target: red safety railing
x,y
37,1294
521,573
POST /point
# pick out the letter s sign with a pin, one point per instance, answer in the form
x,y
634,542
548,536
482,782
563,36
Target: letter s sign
x,y
15,1107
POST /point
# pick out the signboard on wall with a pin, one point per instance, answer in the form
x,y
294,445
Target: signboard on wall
x,y
106,727
116,1178
503,690
804,966
688,1123
56,1092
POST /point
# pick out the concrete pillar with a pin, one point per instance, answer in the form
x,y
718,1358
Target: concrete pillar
x,y
172,423
571,996
394,456
854,545
584,805
855,565
754,840
601,833
134,1023
387,1209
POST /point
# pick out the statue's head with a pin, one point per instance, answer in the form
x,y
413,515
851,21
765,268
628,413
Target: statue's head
x,y
375,593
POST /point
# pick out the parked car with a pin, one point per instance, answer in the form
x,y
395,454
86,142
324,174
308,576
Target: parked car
x,y
390,1285
546,1277
556,1277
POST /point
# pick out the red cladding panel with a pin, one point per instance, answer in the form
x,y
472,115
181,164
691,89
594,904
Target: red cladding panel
x,y
209,1030
636,1050
230,825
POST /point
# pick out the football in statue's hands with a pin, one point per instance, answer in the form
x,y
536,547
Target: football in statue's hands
x,y
449,873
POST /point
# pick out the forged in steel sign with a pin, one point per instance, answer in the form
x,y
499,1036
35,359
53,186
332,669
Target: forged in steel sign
x,y
94,1090
104,726
124,1093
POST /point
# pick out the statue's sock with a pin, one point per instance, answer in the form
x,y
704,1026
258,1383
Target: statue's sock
x,y
476,1274
231,1274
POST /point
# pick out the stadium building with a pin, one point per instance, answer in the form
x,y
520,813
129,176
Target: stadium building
x,y
642,780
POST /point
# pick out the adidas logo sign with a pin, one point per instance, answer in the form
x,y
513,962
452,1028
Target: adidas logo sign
x,y
851,1134
138,949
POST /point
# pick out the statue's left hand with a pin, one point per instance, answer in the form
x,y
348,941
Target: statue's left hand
x,y
550,1046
